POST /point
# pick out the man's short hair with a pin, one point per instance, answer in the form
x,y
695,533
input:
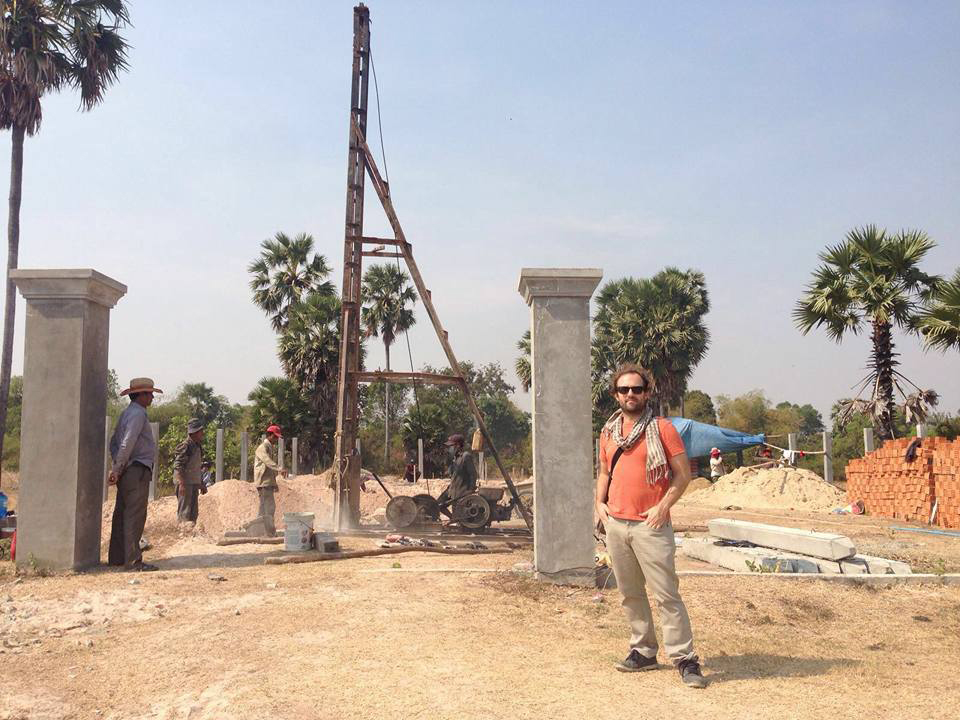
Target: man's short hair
x,y
133,396
627,368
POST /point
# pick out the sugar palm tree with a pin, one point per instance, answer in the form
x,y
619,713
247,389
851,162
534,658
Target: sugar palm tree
x,y
655,322
47,45
522,364
309,351
939,321
873,280
386,296
285,274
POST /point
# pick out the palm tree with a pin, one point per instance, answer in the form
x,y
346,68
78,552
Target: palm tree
x,y
309,351
386,294
522,364
873,279
939,321
46,45
277,400
285,274
657,323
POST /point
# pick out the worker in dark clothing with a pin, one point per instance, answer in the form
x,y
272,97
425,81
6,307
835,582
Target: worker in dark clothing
x,y
463,471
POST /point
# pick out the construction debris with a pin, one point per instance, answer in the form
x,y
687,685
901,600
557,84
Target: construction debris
x,y
755,547
805,542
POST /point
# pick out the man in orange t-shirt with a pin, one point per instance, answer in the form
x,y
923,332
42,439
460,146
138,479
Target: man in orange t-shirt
x,y
648,464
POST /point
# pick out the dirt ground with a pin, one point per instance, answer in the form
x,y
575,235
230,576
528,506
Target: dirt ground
x,y
432,636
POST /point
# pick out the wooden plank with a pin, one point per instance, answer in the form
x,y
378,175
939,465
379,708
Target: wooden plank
x,y
380,253
320,557
383,192
379,241
406,377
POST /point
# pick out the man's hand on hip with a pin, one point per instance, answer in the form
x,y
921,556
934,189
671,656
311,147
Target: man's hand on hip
x,y
603,512
657,517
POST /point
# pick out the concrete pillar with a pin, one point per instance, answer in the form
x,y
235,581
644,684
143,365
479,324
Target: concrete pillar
x,y
219,458
827,459
106,457
244,449
559,301
67,334
155,429
281,449
293,457
921,430
420,455
868,446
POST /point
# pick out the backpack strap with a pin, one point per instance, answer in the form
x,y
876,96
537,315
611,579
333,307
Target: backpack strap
x,y
613,461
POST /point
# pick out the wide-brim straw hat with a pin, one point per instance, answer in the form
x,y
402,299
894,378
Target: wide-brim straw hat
x,y
194,426
141,385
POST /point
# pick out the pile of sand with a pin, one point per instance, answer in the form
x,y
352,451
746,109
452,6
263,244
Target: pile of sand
x,y
230,503
770,488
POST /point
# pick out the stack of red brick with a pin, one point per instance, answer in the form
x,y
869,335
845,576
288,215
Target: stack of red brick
x,y
890,486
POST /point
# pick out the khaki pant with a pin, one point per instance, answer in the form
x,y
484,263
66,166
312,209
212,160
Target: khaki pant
x,y
129,516
641,558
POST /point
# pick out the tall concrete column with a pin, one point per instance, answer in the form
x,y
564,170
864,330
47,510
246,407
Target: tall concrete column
x,y
64,404
828,457
868,440
563,494
294,461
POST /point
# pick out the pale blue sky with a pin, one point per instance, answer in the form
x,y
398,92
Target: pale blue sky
x,y
737,138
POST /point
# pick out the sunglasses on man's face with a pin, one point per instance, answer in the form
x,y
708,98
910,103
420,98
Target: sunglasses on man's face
x,y
635,389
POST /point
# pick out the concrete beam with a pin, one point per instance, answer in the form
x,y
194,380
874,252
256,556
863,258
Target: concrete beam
x,y
805,542
740,559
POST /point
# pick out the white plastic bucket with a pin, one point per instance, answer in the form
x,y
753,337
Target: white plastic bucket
x,y
298,531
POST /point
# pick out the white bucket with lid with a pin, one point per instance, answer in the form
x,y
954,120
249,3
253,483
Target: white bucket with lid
x,y
298,531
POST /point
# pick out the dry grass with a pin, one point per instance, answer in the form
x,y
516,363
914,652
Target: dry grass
x,y
362,640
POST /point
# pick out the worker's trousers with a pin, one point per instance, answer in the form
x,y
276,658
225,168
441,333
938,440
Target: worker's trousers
x,y
643,557
129,516
188,503
268,508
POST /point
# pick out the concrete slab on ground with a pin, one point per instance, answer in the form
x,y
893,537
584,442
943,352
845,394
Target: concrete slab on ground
x,y
869,565
740,559
804,542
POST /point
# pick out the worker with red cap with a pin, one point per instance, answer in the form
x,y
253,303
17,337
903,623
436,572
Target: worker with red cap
x,y
265,471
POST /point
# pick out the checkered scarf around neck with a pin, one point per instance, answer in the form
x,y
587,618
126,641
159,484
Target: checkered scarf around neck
x,y
646,425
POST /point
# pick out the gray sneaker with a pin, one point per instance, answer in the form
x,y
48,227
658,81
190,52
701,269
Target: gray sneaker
x,y
635,662
690,673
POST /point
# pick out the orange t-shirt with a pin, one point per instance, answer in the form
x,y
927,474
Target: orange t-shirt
x,y
630,495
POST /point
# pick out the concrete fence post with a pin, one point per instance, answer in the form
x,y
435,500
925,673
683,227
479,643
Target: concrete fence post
x,y
281,450
921,430
155,429
244,449
827,459
420,455
868,446
294,465
106,457
219,458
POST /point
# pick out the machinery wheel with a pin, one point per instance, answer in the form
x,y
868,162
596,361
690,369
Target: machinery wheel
x,y
526,498
402,511
427,506
472,511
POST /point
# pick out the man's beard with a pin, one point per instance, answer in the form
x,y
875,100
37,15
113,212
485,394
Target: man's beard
x,y
639,408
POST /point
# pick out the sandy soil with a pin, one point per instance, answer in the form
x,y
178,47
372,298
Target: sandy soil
x,y
219,635
450,637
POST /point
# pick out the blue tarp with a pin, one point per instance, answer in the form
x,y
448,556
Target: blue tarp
x,y
698,438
